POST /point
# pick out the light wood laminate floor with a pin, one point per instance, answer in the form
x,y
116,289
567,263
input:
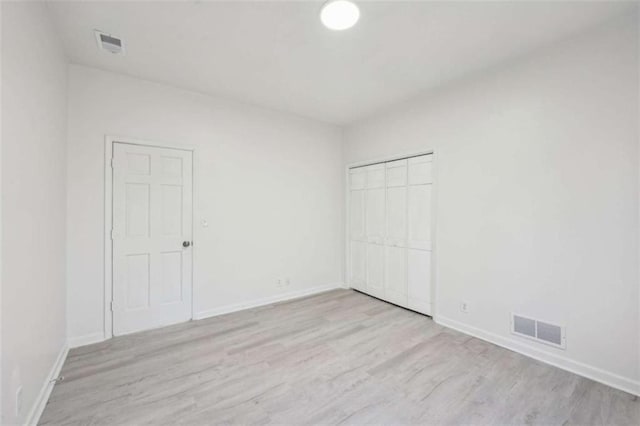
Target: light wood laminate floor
x,y
339,357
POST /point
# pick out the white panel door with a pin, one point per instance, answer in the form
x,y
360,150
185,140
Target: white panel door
x,y
152,233
420,183
375,270
375,228
395,281
375,204
420,169
396,204
375,175
396,173
357,267
419,280
395,268
358,178
419,206
357,229
396,217
394,254
419,227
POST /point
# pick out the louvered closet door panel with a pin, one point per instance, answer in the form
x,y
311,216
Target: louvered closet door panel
x,y
358,253
419,280
395,283
375,270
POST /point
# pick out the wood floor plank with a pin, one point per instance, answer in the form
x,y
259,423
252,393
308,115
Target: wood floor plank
x,y
339,357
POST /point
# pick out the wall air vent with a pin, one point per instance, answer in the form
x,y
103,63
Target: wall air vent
x,y
540,331
109,43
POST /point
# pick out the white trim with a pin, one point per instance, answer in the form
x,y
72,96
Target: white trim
x,y
347,224
144,142
562,362
43,396
266,301
109,140
87,339
108,223
434,233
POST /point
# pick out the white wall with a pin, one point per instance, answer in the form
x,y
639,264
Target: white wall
x,y
269,184
34,115
537,196
638,122
1,375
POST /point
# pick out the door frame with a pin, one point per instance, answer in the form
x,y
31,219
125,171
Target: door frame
x,y
109,141
434,210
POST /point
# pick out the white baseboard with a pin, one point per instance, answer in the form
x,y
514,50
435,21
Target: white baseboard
x,y
265,301
581,369
87,339
43,396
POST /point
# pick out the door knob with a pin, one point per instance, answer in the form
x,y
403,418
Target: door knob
x,y
186,244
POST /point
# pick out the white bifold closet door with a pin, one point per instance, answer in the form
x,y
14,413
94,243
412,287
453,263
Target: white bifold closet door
x,y
396,233
374,224
390,231
419,189
358,236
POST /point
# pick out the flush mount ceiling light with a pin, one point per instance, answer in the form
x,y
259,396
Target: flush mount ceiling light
x,y
339,14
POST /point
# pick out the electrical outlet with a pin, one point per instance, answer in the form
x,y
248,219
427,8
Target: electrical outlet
x,y
19,401
279,283
464,307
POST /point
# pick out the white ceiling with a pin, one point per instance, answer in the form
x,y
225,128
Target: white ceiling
x,y
279,55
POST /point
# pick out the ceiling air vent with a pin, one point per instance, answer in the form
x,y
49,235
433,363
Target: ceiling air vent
x,y
540,331
109,43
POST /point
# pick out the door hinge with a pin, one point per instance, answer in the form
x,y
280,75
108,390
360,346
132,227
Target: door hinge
x,y
112,163
111,306
112,233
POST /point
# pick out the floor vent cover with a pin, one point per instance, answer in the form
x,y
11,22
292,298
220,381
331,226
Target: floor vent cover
x,y
540,331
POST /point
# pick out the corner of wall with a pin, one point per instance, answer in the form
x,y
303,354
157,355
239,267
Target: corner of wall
x,y
35,85
1,369
638,171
